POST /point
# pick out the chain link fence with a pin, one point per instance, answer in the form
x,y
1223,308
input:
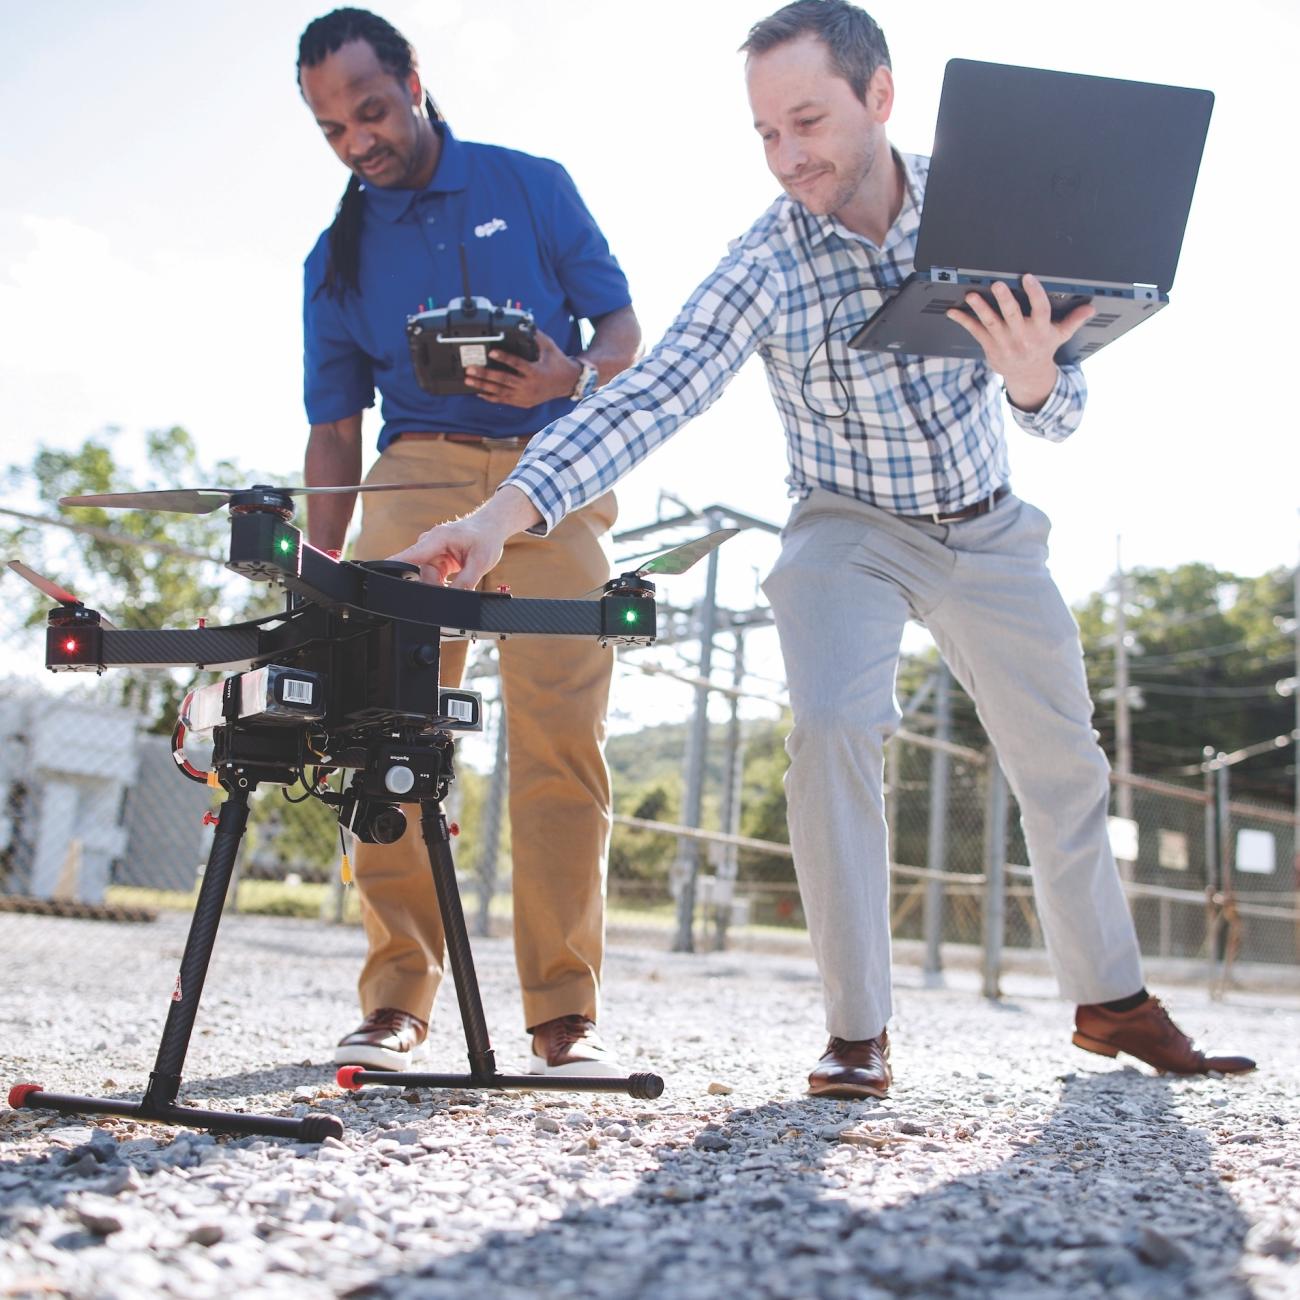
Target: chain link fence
x,y
94,815
1210,880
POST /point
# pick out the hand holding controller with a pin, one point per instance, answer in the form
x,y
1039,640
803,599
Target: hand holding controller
x,y
445,341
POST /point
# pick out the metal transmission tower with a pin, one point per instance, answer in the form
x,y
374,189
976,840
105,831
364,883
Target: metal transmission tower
x,y
708,619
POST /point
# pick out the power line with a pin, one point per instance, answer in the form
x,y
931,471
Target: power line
x,y
1210,692
1213,651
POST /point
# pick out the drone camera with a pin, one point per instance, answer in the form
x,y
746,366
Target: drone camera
x,y
373,823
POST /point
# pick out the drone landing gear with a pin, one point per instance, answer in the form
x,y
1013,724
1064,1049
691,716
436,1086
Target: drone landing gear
x,y
482,1062
159,1101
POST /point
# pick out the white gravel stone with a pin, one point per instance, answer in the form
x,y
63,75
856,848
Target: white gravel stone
x,y
1005,1161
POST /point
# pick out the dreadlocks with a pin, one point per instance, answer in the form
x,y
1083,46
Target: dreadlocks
x,y
321,38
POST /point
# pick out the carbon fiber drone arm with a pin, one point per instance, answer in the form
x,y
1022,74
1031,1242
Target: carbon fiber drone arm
x,y
266,548
626,616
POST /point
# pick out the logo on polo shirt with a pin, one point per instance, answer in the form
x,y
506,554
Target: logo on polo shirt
x,y
489,227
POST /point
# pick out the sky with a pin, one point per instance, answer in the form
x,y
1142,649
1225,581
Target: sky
x,y
165,181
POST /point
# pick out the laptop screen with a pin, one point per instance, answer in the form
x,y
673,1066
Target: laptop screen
x,y
1064,175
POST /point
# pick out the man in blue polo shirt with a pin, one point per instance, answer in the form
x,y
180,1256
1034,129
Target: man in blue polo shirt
x,y
415,197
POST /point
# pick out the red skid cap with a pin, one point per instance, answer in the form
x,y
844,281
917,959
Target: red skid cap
x,y
19,1093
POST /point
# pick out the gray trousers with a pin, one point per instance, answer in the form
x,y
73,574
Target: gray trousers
x,y
848,578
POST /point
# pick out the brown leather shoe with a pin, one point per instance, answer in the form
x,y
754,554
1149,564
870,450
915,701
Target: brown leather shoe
x,y
571,1045
1149,1033
385,1040
853,1069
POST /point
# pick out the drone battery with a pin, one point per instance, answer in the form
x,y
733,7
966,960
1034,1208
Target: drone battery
x,y
273,694
279,694
460,710
204,707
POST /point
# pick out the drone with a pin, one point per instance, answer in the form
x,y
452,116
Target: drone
x,y
343,680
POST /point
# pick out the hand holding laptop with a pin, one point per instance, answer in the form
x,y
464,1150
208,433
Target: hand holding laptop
x,y
1020,346
1086,180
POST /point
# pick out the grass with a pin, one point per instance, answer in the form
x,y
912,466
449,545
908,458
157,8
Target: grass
x,y
254,897
314,901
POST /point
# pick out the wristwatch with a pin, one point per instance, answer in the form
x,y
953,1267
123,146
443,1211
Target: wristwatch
x,y
587,382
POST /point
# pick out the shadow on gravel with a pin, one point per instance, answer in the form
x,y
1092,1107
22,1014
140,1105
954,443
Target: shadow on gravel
x,y
254,1083
1114,1197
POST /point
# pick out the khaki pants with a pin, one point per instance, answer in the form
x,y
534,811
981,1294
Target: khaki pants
x,y
556,693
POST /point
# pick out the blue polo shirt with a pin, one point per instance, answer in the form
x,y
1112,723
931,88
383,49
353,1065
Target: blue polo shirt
x,y
528,237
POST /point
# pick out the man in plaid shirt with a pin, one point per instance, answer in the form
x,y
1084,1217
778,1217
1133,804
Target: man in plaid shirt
x,y
899,467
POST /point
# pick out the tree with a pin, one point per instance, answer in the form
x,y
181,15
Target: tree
x,y
1210,648
137,586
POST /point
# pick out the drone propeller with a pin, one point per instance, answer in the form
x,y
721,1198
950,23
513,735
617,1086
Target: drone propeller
x,y
203,501
678,559
51,589
682,557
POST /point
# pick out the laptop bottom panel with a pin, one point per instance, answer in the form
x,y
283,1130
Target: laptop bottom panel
x,y
914,321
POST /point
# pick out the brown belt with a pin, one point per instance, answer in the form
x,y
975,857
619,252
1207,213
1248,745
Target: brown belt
x,y
475,440
966,512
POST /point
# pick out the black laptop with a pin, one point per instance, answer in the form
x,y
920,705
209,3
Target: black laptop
x,y
1084,181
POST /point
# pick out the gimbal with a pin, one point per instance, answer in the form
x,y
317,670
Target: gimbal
x,y
345,678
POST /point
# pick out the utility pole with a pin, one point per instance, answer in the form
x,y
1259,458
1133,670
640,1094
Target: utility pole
x,y
688,850
1295,694
728,864
493,811
937,840
1123,733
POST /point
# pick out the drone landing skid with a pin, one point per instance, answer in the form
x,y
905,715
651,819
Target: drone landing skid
x,y
482,1062
159,1103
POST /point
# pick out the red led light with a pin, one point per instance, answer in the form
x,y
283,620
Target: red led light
x,y
70,646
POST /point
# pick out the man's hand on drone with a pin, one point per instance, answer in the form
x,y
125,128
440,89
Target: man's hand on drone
x,y
461,553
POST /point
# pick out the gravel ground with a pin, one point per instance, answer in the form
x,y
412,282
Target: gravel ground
x,y
1006,1161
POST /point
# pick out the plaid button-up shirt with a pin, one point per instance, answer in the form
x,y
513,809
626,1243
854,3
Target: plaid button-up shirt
x,y
912,435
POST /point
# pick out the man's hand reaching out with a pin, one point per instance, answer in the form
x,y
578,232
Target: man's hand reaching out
x,y
463,552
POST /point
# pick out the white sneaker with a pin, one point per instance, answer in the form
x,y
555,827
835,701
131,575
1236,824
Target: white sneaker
x,y
570,1045
386,1039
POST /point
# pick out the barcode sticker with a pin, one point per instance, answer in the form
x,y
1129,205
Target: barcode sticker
x,y
473,354
297,690
460,710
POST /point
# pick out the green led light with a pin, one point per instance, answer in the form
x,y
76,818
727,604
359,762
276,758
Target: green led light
x,y
631,616
285,545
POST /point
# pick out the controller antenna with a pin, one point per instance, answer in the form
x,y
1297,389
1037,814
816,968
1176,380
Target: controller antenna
x,y
468,303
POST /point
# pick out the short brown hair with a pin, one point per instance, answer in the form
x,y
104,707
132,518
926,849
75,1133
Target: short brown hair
x,y
853,38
